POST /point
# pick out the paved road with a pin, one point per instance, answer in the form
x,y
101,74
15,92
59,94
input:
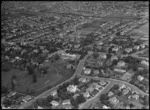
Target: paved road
x,y
117,82
87,103
106,89
46,93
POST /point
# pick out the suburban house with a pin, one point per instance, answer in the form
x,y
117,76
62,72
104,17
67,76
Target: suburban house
x,y
66,56
135,96
100,43
128,50
140,78
119,70
75,95
82,80
115,49
54,93
54,103
26,98
72,88
102,83
87,71
142,46
110,93
102,56
11,94
86,94
39,107
96,72
145,63
121,64
90,89
125,91
114,100
137,47
105,107
65,102
122,86
114,57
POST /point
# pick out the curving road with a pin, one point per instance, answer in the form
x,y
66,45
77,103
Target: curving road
x,y
117,82
46,93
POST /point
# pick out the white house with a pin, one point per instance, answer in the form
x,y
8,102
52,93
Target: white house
x,y
135,96
121,64
39,107
26,98
128,50
65,102
100,43
82,80
72,88
145,63
115,49
87,71
102,83
114,57
140,78
53,93
105,107
137,47
96,72
119,70
125,91
110,93
142,46
68,56
86,94
54,103
102,55
122,86
11,94
114,100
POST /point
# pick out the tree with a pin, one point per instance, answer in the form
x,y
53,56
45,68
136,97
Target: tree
x,y
104,99
114,62
80,99
95,54
30,70
34,77
49,98
13,80
76,81
56,57
4,89
74,103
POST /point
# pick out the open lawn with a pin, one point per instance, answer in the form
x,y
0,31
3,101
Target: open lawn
x,y
57,73
143,30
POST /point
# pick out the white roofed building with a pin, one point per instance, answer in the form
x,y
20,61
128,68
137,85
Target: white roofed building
x,y
54,103
87,71
72,88
145,63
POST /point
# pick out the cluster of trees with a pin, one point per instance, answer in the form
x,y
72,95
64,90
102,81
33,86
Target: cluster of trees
x,y
133,62
75,81
43,102
79,99
62,91
104,99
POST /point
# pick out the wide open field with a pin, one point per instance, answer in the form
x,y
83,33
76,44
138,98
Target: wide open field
x,y
57,73
143,30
